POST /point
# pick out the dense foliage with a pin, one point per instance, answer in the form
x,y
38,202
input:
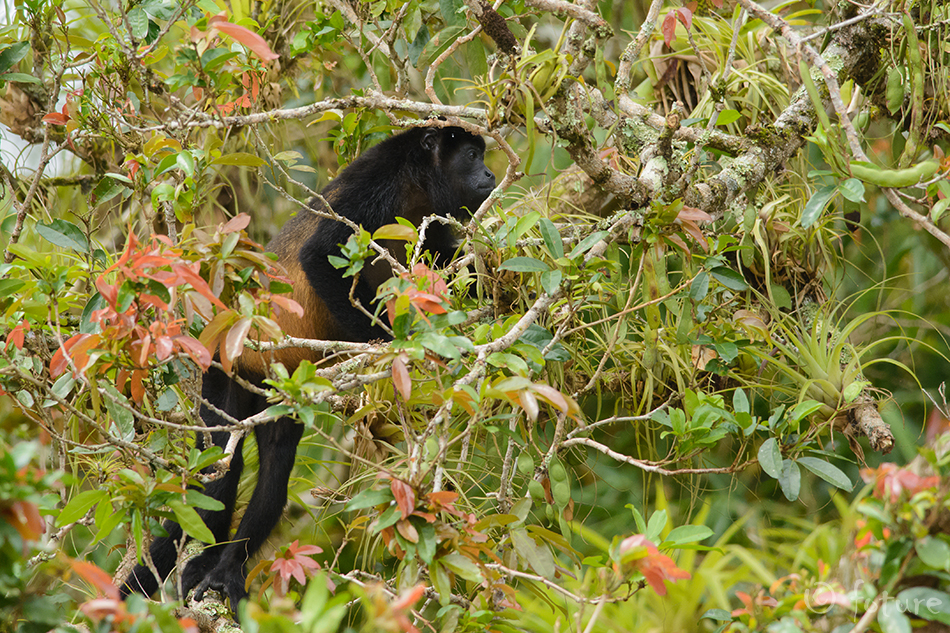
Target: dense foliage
x,y
707,295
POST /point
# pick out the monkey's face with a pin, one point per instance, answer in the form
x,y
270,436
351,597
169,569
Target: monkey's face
x,y
469,177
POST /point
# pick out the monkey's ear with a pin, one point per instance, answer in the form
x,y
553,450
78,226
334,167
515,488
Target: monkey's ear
x,y
430,139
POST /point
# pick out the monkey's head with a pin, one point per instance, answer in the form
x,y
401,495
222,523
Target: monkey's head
x,y
458,160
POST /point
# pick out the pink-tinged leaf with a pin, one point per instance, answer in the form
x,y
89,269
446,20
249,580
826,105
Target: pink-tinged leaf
x,y
686,17
828,596
401,379
198,352
693,214
234,341
408,531
248,38
163,347
237,223
529,403
552,395
288,304
405,497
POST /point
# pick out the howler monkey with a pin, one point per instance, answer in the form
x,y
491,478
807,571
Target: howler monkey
x,y
417,173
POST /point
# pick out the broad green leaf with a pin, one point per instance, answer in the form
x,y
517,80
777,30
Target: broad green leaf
x,y
816,204
79,505
537,556
239,159
926,603
770,458
729,278
852,189
369,499
64,234
728,116
688,534
190,522
525,265
552,239
934,551
892,618
830,473
11,55
790,480
464,567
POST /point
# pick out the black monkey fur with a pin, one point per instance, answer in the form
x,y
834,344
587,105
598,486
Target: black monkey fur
x,y
414,174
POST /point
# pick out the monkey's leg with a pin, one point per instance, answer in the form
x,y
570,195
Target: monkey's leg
x,y
276,447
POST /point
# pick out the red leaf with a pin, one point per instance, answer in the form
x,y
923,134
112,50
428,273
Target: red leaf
x,y
137,388
248,38
401,379
669,28
199,284
405,497
16,335
56,118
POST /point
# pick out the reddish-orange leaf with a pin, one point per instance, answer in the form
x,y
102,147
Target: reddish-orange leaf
x,y
443,498
56,118
246,37
401,379
17,334
95,577
405,497
137,388
409,597
25,518
199,284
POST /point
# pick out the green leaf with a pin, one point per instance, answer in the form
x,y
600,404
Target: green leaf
x,y
934,551
699,288
926,603
728,116
770,458
688,534
550,280
852,189
107,189
939,208
369,499
816,204
719,615
464,567
9,286
892,618
190,522
587,242
729,278
239,159
11,55
79,505
22,78
525,265
537,556
138,22
203,501
552,239
64,234
790,480
655,525
830,473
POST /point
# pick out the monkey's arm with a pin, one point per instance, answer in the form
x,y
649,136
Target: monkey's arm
x,y
334,291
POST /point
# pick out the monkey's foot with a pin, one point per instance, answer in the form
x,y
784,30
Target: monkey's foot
x,y
227,581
